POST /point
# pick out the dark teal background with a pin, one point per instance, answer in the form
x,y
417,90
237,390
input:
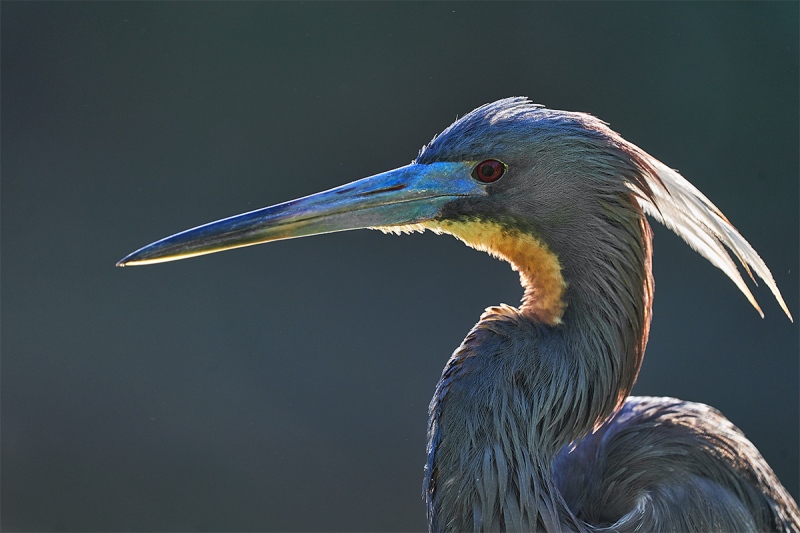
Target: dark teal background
x,y
285,387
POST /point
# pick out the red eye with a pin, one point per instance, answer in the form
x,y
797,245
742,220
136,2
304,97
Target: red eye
x,y
489,171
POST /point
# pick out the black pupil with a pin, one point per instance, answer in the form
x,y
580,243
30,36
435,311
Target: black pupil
x,y
488,169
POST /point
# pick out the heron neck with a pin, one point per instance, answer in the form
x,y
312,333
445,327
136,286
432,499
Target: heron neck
x,y
581,369
519,389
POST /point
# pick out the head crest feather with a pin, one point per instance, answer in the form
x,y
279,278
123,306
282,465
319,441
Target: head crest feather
x,y
673,201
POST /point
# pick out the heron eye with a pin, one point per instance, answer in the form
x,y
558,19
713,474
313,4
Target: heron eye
x,y
489,171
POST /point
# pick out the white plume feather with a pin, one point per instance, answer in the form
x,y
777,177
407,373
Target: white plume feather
x,y
678,205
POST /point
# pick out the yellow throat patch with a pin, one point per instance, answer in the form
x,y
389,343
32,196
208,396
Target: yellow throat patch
x,y
538,267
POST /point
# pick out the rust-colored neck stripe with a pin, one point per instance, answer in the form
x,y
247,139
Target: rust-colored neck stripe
x,y
538,267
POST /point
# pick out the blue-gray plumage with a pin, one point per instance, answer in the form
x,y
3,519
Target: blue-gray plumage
x,y
531,425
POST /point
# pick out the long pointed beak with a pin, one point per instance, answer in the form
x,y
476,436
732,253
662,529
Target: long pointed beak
x,y
407,195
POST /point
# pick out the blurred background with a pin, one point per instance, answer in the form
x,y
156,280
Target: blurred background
x,y
285,387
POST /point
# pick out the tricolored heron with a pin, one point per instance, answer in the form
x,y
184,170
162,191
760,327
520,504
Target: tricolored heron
x,y
531,426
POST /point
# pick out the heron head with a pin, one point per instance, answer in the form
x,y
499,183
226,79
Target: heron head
x,y
549,191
